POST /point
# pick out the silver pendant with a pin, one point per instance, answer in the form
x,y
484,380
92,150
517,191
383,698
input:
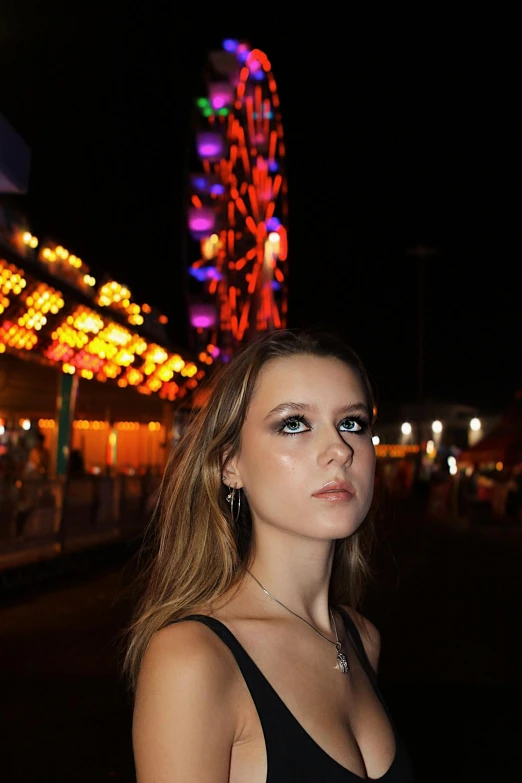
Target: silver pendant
x,y
343,663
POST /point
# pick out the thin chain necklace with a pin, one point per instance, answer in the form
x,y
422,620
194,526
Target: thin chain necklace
x,y
341,657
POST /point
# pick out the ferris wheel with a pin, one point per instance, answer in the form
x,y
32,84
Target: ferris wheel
x,y
238,211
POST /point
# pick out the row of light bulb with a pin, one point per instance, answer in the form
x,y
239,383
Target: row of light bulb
x,y
60,253
30,240
114,293
73,332
437,427
81,424
25,424
110,293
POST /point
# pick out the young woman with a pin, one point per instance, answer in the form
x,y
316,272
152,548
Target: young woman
x,y
250,661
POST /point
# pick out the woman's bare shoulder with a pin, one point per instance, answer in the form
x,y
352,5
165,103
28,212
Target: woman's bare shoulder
x,y
185,715
370,635
185,653
176,638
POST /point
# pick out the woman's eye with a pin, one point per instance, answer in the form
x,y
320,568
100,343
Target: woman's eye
x,y
293,426
351,425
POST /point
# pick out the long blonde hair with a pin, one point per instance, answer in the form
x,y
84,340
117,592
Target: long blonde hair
x,y
196,551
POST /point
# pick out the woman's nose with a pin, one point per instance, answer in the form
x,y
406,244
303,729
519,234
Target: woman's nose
x,y
338,451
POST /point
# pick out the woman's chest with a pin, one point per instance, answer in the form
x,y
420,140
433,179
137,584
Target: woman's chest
x,y
309,713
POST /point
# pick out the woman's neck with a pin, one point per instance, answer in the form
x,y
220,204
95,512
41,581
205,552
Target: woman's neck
x,y
296,575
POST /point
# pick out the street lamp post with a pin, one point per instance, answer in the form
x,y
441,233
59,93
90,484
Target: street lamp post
x,y
420,253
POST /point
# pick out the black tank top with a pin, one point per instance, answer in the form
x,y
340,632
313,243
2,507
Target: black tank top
x,y
292,754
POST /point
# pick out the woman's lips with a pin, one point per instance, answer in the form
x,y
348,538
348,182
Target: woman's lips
x,y
336,491
335,495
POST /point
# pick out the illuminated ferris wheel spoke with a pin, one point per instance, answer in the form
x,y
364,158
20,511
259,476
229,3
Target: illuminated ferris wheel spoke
x,y
238,204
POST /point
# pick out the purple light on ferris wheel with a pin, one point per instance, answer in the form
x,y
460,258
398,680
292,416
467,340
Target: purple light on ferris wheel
x,y
242,53
199,182
210,146
206,183
198,273
273,224
230,44
211,273
202,316
201,221
256,69
221,94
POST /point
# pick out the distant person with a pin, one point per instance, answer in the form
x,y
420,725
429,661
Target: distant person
x,y
247,650
76,464
501,489
513,496
37,465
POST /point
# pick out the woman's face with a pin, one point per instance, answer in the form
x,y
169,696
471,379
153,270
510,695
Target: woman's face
x,y
307,459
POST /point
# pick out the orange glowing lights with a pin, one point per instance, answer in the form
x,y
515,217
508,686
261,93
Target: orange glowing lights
x,y
46,424
83,341
11,280
396,451
117,296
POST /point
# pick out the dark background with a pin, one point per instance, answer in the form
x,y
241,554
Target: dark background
x,y
399,133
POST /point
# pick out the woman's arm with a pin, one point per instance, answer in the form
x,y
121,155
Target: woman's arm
x,y
185,717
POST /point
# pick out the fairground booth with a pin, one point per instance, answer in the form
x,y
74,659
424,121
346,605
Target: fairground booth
x,y
90,390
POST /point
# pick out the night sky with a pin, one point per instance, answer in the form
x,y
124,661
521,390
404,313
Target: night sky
x,y
391,144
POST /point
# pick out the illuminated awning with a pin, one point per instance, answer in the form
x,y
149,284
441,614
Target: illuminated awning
x,y
102,339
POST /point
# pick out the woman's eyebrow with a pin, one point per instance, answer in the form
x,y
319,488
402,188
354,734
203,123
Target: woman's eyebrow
x,y
355,407
299,407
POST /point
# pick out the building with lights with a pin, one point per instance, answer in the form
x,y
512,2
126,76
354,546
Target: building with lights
x,y
91,351
88,375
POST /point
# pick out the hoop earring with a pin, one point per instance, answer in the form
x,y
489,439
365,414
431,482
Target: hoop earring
x,y
236,518
230,499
